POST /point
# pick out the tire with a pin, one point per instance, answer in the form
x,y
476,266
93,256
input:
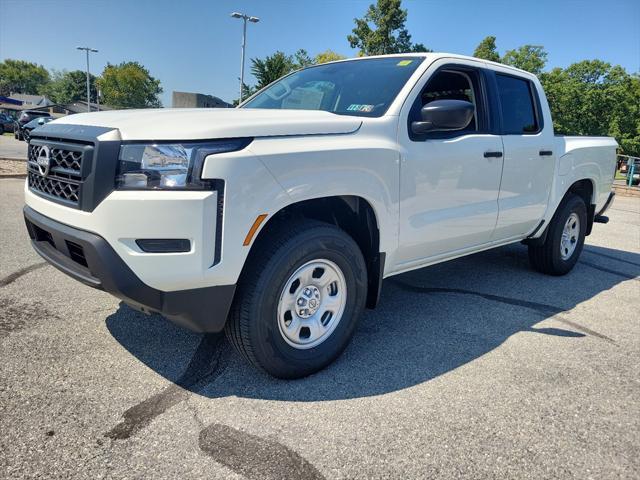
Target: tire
x,y
555,257
268,295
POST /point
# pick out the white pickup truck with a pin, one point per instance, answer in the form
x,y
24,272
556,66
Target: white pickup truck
x,y
277,221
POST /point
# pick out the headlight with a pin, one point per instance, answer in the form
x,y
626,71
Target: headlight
x,y
167,166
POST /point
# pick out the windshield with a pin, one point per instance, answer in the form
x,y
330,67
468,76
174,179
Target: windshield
x,y
359,87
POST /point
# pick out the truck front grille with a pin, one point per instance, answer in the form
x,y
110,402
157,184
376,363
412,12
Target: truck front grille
x,y
61,180
61,189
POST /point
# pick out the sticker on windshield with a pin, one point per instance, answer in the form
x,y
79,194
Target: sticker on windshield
x,y
356,107
404,63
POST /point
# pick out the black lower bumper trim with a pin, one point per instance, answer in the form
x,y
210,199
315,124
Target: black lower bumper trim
x,y
90,259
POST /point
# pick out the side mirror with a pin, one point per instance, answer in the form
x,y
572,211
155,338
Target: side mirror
x,y
40,122
443,116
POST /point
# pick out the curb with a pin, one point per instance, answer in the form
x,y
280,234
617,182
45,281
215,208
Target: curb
x,y
14,159
12,175
626,191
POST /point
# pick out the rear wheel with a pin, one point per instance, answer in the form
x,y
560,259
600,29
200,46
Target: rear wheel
x,y
565,239
299,299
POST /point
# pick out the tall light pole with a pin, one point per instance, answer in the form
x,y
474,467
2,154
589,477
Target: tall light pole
x,y
244,42
88,49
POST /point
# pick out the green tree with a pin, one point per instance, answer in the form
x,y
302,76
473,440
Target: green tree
x,y
18,76
69,87
531,58
129,85
594,98
328,56
382,30
301,59
271,68
487,50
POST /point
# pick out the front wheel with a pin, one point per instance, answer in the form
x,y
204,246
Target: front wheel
x,y
299,299
565,238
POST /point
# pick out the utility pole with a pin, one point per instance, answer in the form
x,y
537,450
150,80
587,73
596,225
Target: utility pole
x,y
244,43
87,50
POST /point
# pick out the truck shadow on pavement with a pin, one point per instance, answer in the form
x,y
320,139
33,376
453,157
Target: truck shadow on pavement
x,y
428,323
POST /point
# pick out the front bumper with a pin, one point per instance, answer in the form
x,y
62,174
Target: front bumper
x,y
90,259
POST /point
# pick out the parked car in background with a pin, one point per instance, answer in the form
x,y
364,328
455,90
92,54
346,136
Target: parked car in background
x,y
25,117
35,123
6,123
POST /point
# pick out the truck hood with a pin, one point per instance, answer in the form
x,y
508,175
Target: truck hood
x,y
210,123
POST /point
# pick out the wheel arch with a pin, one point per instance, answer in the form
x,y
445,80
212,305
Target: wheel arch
x,y
351,213
585,189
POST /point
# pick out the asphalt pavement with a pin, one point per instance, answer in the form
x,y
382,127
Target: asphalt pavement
x,y
12,149
476,368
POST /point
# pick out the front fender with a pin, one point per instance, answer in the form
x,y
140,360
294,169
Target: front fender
x,y
324,166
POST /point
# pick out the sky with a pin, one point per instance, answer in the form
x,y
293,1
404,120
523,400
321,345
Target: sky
x,y
194,45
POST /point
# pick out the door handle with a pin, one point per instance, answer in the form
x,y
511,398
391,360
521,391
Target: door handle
x,y
546,153
492,154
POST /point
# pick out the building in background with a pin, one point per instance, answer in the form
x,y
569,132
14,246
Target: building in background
x,y
16,103
13,104
81,107
197,100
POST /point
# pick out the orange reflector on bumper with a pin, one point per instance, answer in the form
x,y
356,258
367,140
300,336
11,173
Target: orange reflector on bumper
x,y
254,228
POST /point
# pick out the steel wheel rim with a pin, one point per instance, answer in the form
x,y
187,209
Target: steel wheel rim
x,y
311,304
570,236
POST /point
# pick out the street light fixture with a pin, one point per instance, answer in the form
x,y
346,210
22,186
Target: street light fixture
x,y
93,50
244,18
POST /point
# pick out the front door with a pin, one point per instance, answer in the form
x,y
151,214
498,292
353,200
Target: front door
x,y
449,181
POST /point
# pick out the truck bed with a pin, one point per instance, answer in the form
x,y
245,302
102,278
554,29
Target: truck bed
x,y
595,157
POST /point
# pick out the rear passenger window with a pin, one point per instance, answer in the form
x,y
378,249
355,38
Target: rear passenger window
x,y
518,110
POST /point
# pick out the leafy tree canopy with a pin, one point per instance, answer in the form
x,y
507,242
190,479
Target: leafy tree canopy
x,y
328,56
487,50
69,87
531,58
129,85
271,68
594,98
18,76
382,30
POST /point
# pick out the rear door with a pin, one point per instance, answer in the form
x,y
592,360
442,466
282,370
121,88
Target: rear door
x,y
529,159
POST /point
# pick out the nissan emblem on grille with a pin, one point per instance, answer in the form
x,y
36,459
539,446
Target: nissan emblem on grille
x,y
43,160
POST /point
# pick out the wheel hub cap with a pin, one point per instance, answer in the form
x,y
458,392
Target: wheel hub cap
x,y
570,235
308,301
312,303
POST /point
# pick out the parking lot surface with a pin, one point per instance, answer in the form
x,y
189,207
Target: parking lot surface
x,y
476,368
10,148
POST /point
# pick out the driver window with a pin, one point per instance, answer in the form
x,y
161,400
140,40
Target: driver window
x,y
452,85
